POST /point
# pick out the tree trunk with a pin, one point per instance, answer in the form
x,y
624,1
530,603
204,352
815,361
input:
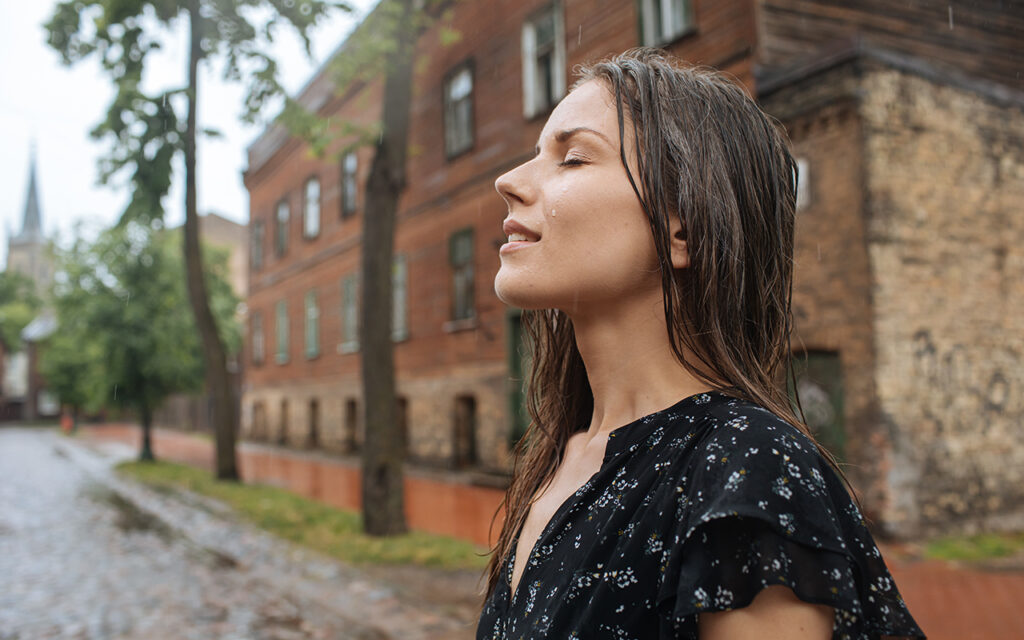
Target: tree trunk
x,y
225,413
383,452
146,453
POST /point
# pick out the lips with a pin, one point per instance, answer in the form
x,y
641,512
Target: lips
x,y
516,232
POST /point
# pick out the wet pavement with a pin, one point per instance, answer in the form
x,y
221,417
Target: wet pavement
x,y
87,555
950,602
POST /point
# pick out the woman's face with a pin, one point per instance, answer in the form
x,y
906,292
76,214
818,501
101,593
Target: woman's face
x,y
578,237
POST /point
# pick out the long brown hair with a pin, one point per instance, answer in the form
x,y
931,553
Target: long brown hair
x,y
707,154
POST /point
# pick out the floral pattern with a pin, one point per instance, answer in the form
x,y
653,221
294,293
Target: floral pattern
x,y
697,508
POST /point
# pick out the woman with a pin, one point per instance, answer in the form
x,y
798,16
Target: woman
x,y
662,490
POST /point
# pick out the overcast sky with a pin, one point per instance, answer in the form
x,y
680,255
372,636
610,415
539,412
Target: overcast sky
x,y
55,106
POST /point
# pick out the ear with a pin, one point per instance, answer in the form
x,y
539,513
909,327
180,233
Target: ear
x,y
677,244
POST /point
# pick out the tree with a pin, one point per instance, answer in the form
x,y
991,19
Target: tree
x,y
147,132
383,453
19,304
126,337
382,49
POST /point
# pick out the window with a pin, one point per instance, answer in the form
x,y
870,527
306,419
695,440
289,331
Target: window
x,y
464,449
350,437
349,314
282,332
313,438
819,382
256,245
257,338
803,186
461,257
543,61
458,110
399,274
281,237
662,21
311,208
349,186
312,325
282,431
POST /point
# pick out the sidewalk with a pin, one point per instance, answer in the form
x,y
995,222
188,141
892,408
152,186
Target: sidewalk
x,y
949,602
369,603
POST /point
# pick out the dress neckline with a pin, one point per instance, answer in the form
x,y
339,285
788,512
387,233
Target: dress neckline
x,y
619,440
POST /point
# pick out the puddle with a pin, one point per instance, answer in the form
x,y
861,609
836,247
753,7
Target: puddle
x,y
128,517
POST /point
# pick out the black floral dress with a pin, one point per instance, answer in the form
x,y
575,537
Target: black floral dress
x,y
696,508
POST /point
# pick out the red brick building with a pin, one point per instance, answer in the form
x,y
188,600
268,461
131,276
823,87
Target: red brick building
x,y
478,106
908,124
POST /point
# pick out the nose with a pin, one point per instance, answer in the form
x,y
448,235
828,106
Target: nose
x,y
513,187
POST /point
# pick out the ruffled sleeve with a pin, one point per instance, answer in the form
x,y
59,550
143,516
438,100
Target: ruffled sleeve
x,y
760,506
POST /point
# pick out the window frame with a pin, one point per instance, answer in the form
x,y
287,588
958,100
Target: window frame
x,y
462,271
803,184
349,204
311,324
307,233
256,337
447,109
532,105
646,9
281,226
349,314
282,332
256,239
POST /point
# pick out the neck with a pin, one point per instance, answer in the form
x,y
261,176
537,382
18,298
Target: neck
x,y
630,364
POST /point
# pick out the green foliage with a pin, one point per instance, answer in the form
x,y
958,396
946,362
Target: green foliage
x,y
125,333
19,304
146,131
985,546
333,531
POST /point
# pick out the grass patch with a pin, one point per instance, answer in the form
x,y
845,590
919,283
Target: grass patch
x,y
986,546
312,524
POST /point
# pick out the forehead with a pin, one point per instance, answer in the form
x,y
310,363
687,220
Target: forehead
x,y
590,105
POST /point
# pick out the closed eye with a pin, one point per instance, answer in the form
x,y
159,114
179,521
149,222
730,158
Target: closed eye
x,y
571,162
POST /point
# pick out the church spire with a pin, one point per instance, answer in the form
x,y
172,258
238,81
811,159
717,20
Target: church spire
x,y
31,225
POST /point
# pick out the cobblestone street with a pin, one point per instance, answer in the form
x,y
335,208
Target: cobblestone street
x,y
84,554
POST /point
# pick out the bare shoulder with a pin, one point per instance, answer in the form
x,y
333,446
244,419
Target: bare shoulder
x,y
775,613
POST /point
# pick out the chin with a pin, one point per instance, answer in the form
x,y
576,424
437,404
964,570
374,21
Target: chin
x,y
515,293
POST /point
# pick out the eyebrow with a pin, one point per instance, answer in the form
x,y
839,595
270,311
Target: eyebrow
x,y
566,134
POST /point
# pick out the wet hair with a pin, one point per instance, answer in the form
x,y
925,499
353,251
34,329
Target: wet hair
x,y
708,156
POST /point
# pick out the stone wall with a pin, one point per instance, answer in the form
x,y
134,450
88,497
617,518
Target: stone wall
x,y
945,174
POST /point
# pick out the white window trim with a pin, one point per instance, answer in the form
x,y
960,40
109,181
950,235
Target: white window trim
x,y
349,345
312,319
531,107
664,9
349,205
803,184
311,209
281,328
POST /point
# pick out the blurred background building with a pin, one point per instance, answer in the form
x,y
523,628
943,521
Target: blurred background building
x,y
908,124
23,394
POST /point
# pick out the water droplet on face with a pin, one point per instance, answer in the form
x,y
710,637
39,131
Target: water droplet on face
x,y
552,213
